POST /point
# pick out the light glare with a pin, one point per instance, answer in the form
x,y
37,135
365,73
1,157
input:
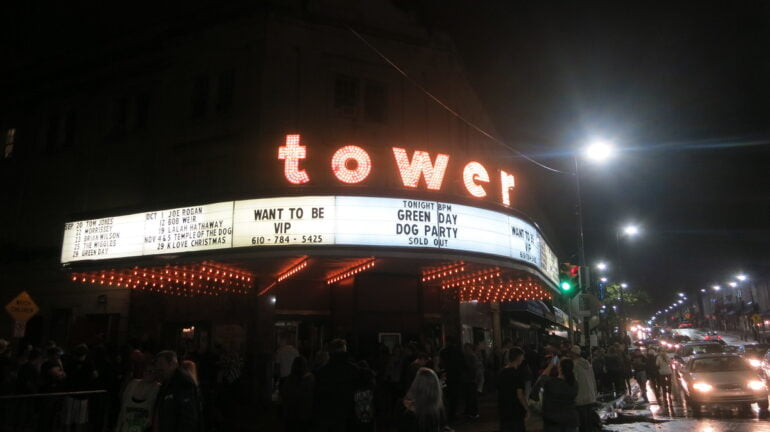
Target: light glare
x,y
599,151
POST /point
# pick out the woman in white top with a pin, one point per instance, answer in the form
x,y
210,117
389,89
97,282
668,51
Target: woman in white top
x,y
664,372
138,401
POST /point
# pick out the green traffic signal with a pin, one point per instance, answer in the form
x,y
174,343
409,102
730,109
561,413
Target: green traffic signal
x,y
566,286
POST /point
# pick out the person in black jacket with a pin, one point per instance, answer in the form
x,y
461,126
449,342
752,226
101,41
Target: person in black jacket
x,y
559,393
177,407
335,385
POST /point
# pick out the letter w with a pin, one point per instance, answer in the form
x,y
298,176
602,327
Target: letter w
x,y
421,165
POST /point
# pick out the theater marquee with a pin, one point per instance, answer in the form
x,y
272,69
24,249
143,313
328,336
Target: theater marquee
x,y
307,222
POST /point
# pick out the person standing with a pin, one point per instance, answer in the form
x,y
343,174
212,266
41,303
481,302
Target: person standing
x,y
177,407
470,389
511,394
139,396
664,372
284,359
297,397
639,365
652,371
334,388
453,365
423,406
586,396
559,393
613,362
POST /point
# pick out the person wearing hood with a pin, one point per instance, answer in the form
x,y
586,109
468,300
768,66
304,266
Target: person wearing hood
x,y
586,395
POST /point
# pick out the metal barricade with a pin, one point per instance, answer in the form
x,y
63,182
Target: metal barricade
x,y
84,411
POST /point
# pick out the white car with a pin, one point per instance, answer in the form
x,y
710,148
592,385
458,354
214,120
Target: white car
x,y
722,379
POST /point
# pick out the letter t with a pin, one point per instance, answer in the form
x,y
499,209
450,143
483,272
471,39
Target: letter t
x,y
292,152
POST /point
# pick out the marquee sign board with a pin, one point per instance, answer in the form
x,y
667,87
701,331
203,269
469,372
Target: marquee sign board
x,y
310,221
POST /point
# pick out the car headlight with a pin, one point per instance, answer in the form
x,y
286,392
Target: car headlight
x,y
754,363
702,387
756,385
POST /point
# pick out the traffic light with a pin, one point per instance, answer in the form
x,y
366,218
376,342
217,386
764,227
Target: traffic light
x,y
569,279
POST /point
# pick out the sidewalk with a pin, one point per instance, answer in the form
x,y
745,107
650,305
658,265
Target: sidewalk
x,y
488,420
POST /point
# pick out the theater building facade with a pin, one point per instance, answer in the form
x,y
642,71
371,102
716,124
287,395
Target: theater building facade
x,y
270,174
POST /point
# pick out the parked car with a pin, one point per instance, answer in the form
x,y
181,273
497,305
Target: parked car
x,y
754,353
722,378
689,349
731,349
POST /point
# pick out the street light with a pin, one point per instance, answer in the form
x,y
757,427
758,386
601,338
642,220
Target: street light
x,y
681,294
741,277
624,285
732,284
601,266
599,151
716,287
630,230
604,280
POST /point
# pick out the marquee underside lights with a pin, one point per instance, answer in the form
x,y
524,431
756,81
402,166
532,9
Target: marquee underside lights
x,y
352,271
435,273
355,156
286,274
206,278
504,289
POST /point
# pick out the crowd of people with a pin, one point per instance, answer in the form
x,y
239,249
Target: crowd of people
x,y
406,388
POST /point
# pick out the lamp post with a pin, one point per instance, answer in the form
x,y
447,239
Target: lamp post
x,y
597,151
628,231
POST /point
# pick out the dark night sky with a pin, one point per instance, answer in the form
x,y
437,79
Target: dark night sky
x,y
683,89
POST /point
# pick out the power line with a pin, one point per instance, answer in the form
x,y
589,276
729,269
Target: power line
x,y
448,108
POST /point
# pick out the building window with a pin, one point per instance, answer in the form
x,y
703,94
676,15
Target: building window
x,y
375,102
10,138
225,87
345,95
200,97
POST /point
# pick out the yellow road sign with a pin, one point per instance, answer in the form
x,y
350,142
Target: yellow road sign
x,y
22,308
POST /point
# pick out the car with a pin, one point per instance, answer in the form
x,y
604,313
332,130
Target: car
x,y
686,325
731,349
687,350
754,353
722,379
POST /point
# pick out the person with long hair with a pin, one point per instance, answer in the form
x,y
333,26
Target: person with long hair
x,y
423,404
559,393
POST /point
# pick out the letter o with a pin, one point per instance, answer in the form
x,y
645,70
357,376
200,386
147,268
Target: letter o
x,y
355,175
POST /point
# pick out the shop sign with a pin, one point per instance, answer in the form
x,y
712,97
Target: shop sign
x,y
308,222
